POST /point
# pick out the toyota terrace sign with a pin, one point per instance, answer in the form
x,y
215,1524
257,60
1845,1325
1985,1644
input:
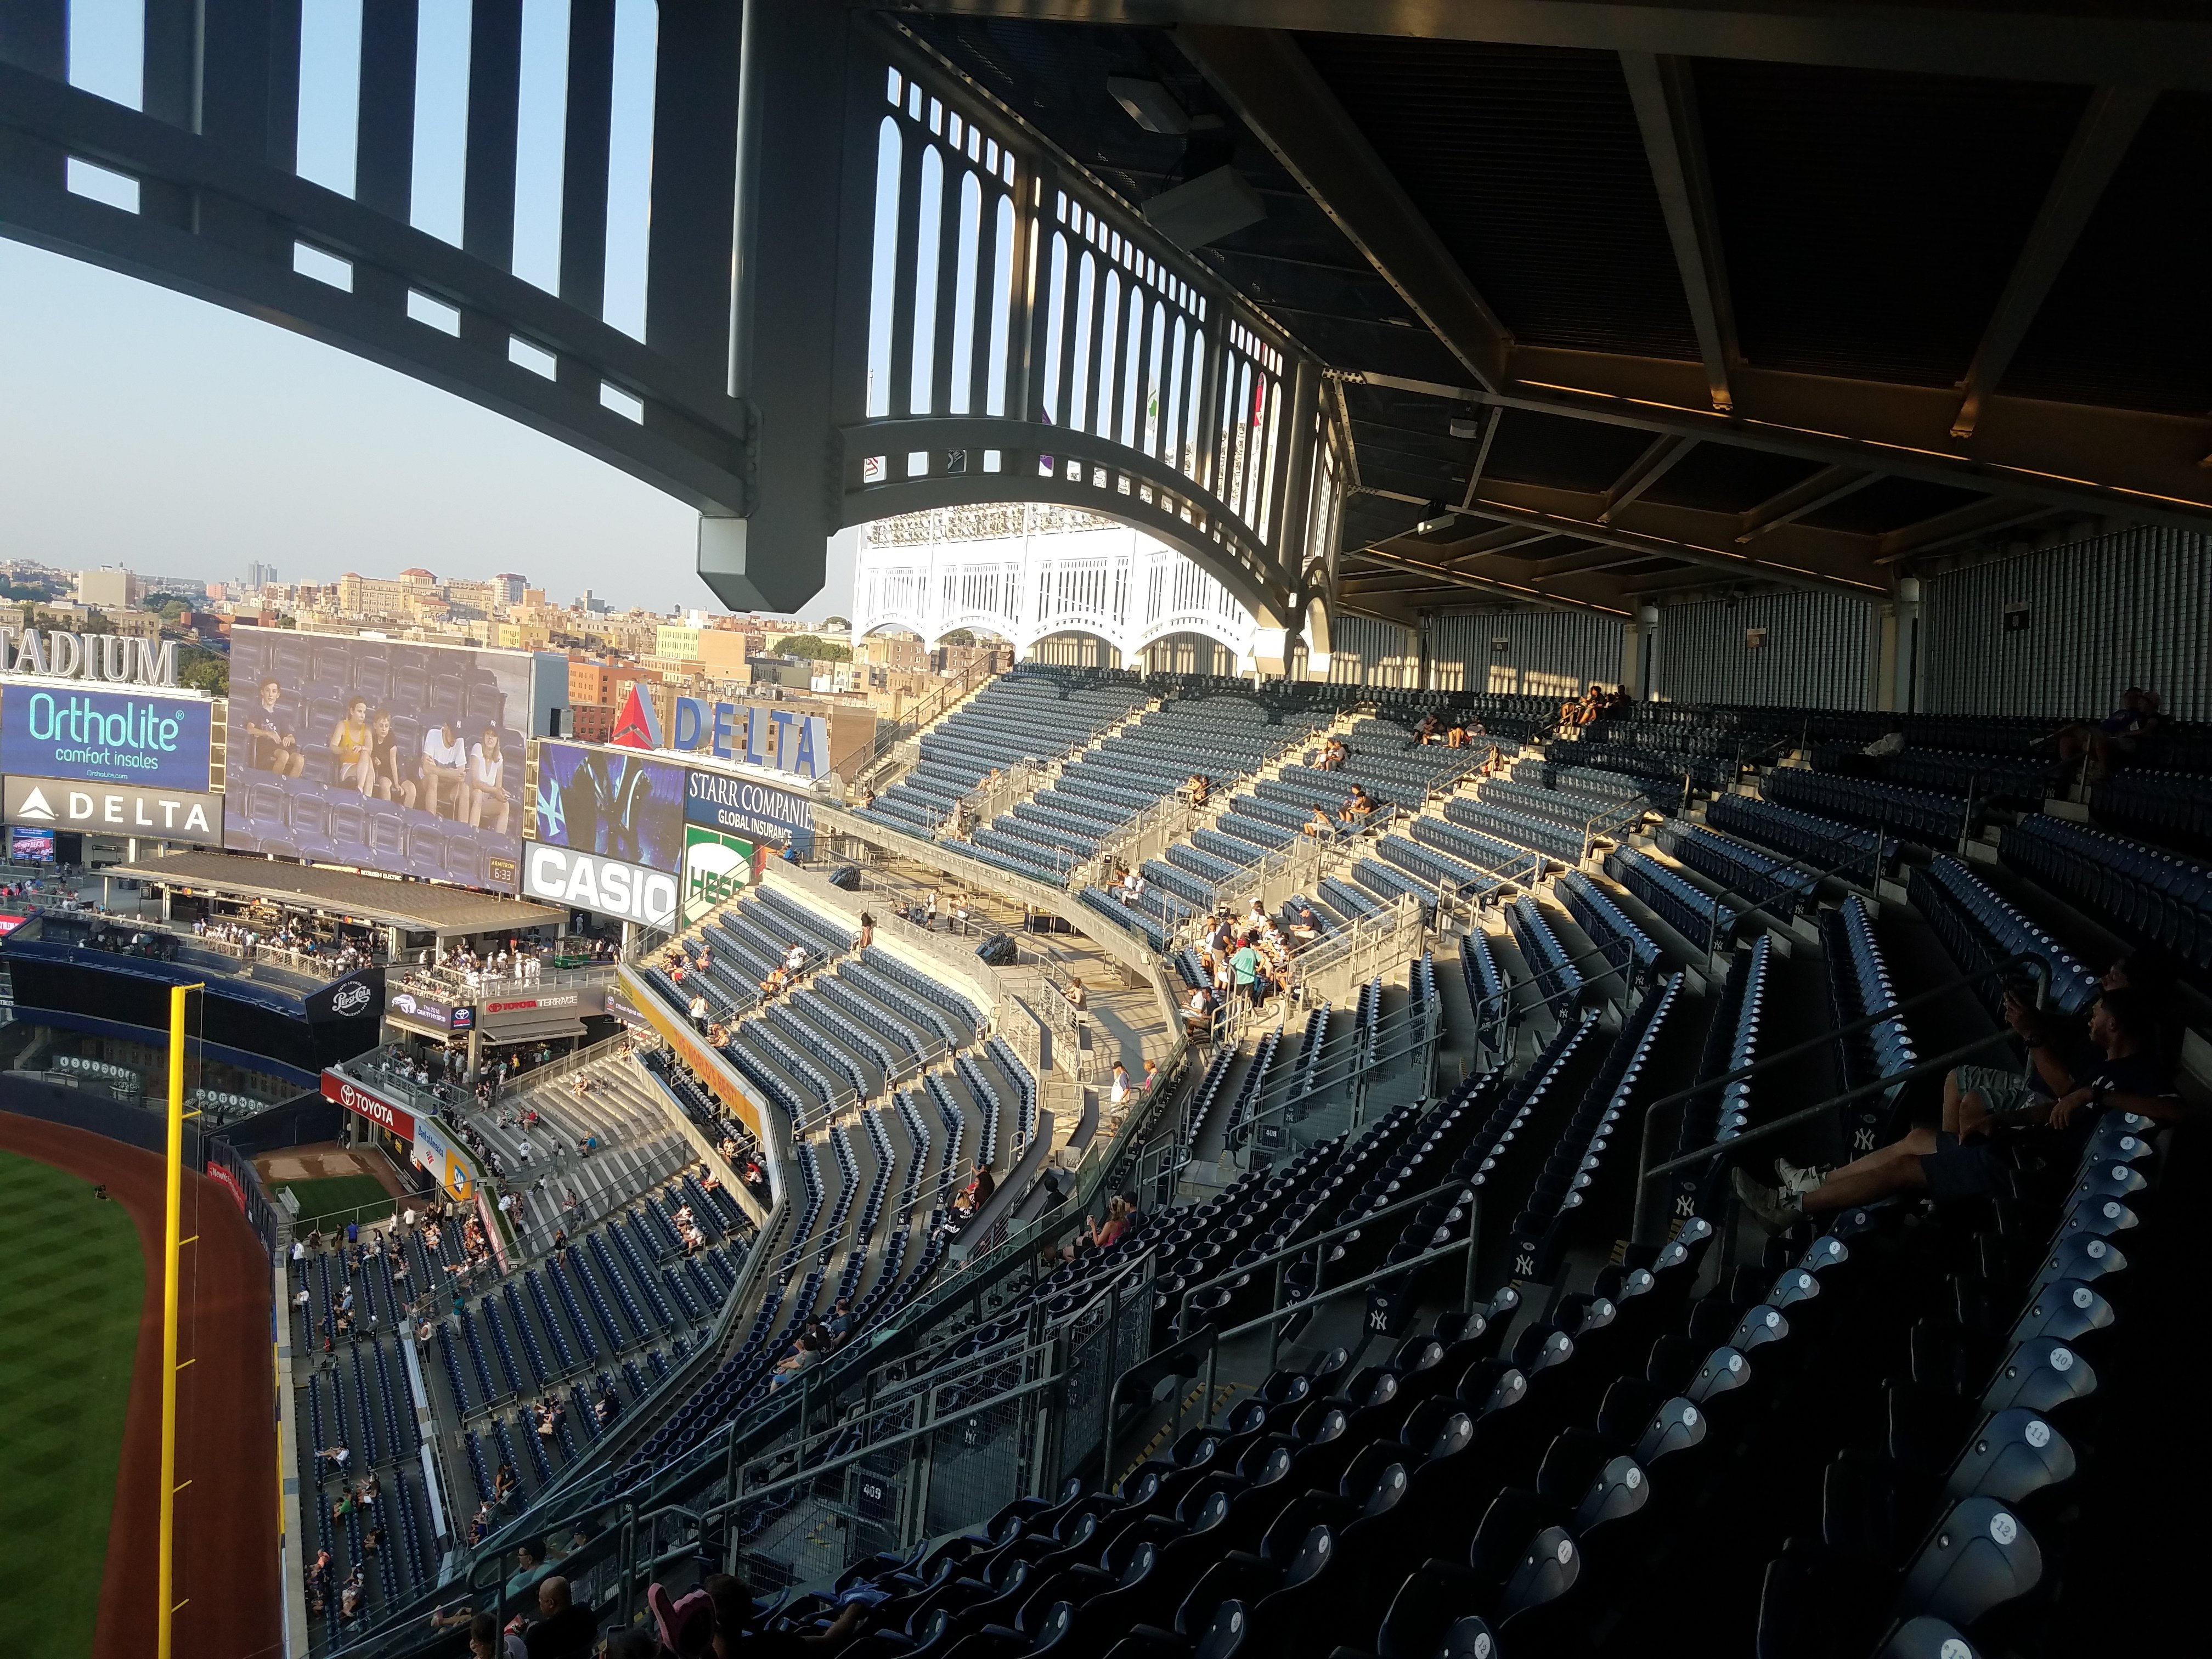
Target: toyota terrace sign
x,y
364,1103
115,810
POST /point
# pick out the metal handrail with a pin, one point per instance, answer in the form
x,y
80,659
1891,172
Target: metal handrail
x,y
2036,966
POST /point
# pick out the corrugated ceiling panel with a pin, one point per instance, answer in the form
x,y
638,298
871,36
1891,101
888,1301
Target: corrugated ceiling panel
x,y
2131,609
1818,650
1371,652
1547,652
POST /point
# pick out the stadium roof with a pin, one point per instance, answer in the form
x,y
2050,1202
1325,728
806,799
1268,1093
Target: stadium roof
x,y
418,907
1626,300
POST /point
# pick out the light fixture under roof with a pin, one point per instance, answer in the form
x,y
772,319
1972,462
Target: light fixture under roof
x,y
1148,104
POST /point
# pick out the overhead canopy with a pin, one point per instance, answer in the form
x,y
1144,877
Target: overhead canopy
x,y
418,907
1622,302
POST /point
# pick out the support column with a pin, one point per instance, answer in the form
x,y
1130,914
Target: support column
x,y
34,36
584,143
1905,678
1647,673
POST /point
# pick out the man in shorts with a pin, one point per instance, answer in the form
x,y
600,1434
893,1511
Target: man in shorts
x,y
445,760
1953,1163
275,745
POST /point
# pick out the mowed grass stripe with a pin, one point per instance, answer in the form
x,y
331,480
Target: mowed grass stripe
x,y
333,1200
72,1281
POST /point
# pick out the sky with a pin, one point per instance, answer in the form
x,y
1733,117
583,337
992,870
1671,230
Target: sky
x,y
144,427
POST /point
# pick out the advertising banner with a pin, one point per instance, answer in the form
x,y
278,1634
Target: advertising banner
x,y
348,998
132,810
424,1008
219,1172
447,1166
607,887
716,868
379,753
142,739
786,739
543,1008
611,802
757,811
708,1065
367,1102
32,846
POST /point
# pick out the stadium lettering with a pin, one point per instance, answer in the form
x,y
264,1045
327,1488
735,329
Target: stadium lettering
x,y
58,655
778,738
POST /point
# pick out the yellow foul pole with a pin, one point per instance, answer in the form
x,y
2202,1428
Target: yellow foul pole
x,y
173,1225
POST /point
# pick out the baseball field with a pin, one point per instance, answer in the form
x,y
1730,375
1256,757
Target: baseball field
x,y
80,1408
71,1283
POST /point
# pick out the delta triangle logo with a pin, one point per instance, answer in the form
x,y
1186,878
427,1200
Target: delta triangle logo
x,y
36,807
638,724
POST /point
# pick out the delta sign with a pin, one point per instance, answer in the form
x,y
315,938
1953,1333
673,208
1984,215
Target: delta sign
x,y
776,740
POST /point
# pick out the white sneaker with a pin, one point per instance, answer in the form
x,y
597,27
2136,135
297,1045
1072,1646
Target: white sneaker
x,y
1798,1181
1777,1212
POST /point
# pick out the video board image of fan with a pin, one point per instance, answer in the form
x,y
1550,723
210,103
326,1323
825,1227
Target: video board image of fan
x,y
378,753
612,803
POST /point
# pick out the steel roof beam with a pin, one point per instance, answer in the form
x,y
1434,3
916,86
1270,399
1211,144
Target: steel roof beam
x,y
1657,459
1519,591
2100,141
2141,463
1743,565
1482,455
1674,144
2119,44
1829,485
1267,80
1961,523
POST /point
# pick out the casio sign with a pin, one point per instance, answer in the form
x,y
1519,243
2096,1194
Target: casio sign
x,y
584,881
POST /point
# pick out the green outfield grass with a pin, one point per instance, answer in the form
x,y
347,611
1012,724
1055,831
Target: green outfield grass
x,y
71,1284
333,1200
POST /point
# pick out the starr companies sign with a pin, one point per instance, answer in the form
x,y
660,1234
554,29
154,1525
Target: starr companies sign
x,y
115,810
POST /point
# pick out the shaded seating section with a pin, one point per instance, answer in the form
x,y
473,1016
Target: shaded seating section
x,y
1689,910
1859,987
1825,843
1763,879
1559,981
2150,897
1664,772
2009,780
1626,1078
1488,995
1627,946
1980,928
1590,780
2173,809
1916,814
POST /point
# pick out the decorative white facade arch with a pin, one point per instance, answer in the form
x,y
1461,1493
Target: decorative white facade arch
x,y
1025,573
